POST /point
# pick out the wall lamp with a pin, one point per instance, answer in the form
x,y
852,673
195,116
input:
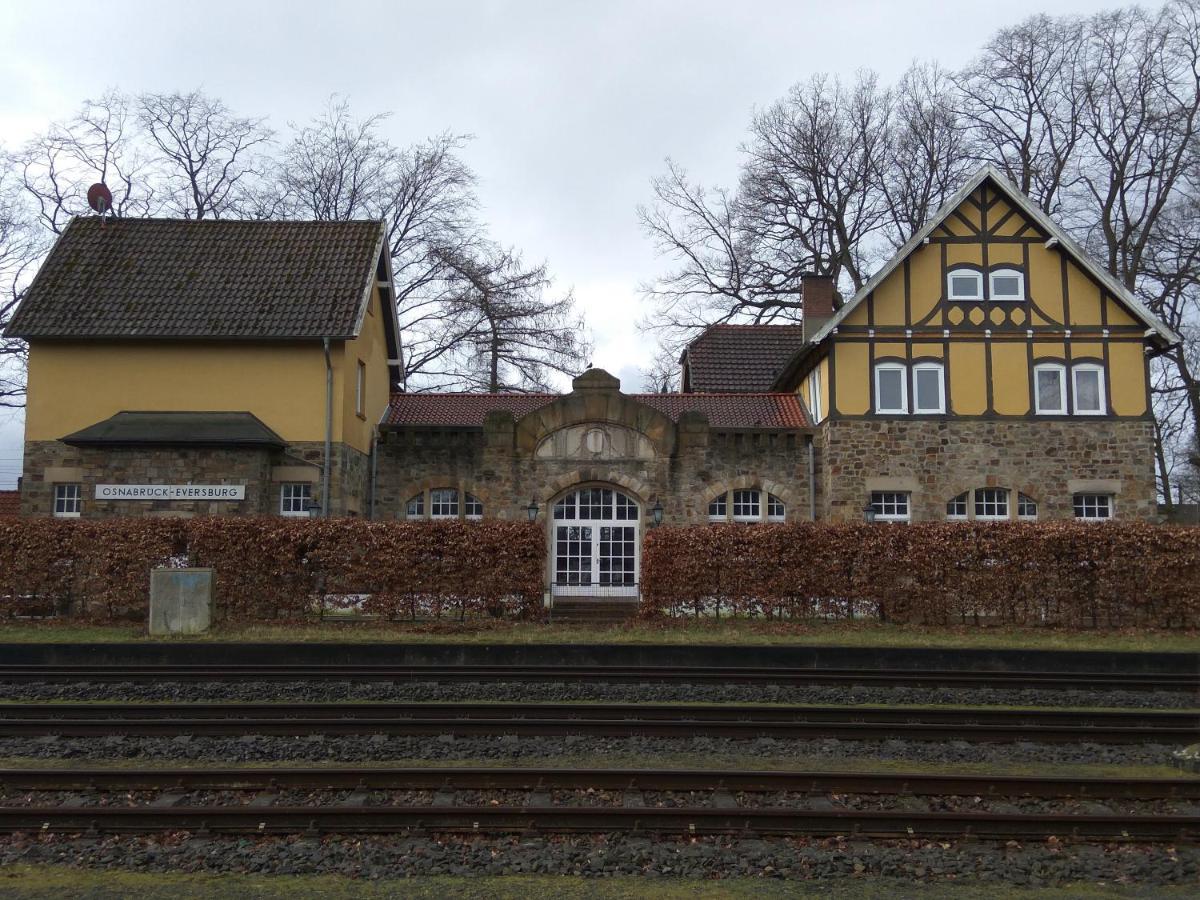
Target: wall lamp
x,y
532,510
657,512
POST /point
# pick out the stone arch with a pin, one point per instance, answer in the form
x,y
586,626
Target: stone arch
x,y
635,487
743,482
596,398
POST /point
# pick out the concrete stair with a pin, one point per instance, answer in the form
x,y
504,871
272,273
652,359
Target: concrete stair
x,y
594,610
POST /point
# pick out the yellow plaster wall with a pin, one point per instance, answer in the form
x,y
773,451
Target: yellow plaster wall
x,y
1127,375
1010,378
76,384
370,347
968,384
853,369
925,280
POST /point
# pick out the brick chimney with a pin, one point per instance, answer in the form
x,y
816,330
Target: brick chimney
x,y
816,294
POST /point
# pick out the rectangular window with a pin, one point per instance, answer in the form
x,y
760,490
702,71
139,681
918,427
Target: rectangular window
x,y
1088,384
443,503
1007,284
965,285
991,503
956,507
775,509
928,388
1050,389
68,500
294,497
747,506
1026,508
717,508
360,389
891,392
1093,507
890,506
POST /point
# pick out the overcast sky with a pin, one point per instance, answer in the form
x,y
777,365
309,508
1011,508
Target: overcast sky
x,y
574,104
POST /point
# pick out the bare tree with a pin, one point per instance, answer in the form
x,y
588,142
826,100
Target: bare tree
x,y
512,336
19,251
1022,101
209,159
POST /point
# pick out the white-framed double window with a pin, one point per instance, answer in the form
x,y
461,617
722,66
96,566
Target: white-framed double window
x,y
294,498
68,501
891,506
964,284
1087,389
1050,389
1093,507
956,507
1006,284
891,388
748,505
990,505
928,388
1026,508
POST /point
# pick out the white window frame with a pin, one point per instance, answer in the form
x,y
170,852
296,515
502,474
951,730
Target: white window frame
x,y
879,500
1026,517
959,273
1062,389
892,367
1007,273
770,500
360,379
417,500
965,496
1084,496
722,502
754,498
977,500
469,500
941,382
70,498
1099,370
814,394
288,498
449,497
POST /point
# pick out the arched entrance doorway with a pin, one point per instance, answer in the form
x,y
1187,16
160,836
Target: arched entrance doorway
x,y
595,547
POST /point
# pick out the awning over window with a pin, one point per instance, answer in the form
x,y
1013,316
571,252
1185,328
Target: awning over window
x,y
177,429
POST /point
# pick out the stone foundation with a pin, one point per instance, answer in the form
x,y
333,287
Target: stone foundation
x,y
938,459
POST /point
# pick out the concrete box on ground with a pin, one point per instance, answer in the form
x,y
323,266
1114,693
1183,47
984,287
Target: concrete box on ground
x,y
180,600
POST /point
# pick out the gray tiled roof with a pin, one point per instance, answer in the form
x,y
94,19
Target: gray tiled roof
x,y
178,429
177,278
740,358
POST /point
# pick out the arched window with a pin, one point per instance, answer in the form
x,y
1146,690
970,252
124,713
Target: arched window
x,y
956,508
990,504
415,508
1026,507
748,505
1007,284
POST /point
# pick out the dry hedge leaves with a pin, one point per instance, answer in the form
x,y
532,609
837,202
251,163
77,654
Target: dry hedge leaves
x,y
1062,573
272,568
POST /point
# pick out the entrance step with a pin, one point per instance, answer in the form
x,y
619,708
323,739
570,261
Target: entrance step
x,y
594,610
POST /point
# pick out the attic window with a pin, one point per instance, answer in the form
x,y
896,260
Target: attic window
x,y
1007,284
964,284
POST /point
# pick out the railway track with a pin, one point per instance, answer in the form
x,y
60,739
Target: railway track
x,y
1091,681
725,808
602,719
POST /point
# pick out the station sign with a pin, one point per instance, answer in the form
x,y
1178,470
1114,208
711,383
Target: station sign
x,y
170,492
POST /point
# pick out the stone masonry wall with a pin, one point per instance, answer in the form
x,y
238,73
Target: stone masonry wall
x,y
50,462
939,459
488,464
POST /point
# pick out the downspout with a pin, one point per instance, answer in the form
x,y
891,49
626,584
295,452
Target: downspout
x,y
374,476
812,481
328,430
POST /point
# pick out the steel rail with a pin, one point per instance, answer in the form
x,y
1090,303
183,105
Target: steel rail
x,y
487,778
639,712
615,674
652,820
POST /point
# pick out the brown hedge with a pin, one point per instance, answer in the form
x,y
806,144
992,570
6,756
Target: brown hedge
x,y
272,568
1075,574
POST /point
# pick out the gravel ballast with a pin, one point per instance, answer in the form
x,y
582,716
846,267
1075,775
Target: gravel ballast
x,y
565,692
252,748
1034,865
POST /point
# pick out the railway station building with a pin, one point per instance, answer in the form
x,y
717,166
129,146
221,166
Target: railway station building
x,y
989,371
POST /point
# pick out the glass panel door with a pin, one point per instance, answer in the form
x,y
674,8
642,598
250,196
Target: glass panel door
x,y
594,556
573,555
